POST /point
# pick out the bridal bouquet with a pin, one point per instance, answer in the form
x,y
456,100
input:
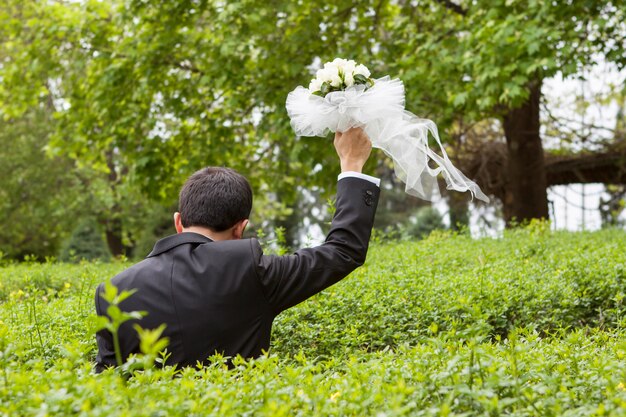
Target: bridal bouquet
x,y
342,96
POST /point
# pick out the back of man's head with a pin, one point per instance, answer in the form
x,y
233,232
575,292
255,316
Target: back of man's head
x,y
215,198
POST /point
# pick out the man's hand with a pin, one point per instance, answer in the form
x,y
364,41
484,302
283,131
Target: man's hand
x,y
353,147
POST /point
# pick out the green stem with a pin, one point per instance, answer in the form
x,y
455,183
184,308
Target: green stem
x,y
118,351
5,373
471,366
43,349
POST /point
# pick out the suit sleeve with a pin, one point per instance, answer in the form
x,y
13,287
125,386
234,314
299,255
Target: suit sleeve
x,y
289,280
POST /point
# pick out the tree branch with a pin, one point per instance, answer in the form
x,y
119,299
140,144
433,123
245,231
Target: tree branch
x,y
452,6
607,168
487,162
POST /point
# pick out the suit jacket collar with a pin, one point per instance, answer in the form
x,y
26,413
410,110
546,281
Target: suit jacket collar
x,y
178,239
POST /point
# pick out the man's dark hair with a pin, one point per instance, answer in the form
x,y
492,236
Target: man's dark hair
x,y
216,198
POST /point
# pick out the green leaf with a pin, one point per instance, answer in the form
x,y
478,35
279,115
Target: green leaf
x,y
460,99
360,79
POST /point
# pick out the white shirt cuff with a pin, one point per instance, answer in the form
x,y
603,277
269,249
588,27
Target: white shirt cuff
x,y
354,174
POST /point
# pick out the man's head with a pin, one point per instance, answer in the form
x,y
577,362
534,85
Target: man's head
x,y
217,199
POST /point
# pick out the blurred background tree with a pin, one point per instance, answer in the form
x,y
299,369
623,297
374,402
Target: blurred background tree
x,y
38,195
85,243
138,95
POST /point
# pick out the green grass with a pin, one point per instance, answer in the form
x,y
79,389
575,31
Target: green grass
x,y
530,324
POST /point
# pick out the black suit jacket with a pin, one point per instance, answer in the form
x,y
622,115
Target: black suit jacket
x,y
223,296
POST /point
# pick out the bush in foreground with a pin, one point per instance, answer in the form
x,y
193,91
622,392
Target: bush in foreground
x,y
530,324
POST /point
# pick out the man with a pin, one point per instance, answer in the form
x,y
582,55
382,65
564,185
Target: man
x,y
217,292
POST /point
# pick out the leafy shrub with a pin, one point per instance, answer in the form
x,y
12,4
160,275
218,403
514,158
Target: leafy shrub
x,y
85,243
529,324
529,278
427,219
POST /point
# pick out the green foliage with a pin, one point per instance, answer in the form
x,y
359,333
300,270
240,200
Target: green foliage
x,y
275,246
145,227
116,317
528,324
485,55
163,89
145,93
530,278
427,219
151,344
86,243
39,196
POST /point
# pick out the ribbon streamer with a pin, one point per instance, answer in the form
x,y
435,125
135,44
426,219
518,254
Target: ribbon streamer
x,y
380,111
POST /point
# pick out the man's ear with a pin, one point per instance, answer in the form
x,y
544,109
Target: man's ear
x,y
178,223
239,228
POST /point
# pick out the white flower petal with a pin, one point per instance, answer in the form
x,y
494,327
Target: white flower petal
x,y
348,79
315,85
362,69
336,81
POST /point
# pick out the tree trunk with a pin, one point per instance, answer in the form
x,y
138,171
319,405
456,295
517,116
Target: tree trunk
x,y
113,232
112,223
115,242
526,196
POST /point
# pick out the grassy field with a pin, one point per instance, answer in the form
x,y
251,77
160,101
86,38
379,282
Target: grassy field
x,y
531,324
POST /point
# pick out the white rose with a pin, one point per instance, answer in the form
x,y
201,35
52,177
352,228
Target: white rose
x,y
339,63
335,81
348,78
325,74
350,66
315,85
330,75
362,69
330,66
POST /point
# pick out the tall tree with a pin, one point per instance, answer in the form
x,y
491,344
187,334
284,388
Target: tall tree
x,y
150,91
489,59
39,196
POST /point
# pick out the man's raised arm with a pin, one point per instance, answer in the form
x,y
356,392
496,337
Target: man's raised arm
x,y
289,280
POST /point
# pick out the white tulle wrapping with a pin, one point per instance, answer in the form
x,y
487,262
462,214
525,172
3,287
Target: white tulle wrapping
x,y
399,133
